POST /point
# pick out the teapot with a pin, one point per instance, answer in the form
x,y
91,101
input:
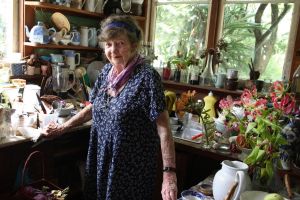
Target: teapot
x,y
232,173
39,33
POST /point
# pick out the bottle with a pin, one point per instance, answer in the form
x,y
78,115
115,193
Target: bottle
x,y
194,78
210,101
167,71
208,74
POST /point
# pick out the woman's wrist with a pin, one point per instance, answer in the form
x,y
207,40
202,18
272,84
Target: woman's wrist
x,y
169,169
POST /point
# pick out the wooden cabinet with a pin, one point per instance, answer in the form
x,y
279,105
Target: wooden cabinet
x,y
29,9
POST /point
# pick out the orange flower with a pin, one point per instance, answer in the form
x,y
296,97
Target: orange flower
x,y
183,100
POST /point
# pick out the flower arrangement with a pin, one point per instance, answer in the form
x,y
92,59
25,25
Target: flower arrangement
x,y
257,121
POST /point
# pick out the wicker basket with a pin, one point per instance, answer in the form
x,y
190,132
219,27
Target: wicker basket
x,y
31,190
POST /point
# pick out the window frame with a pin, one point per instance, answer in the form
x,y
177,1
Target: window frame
x,y
215,23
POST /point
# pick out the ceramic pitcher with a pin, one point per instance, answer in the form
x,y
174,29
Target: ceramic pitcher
x,y
98,7
72,58
231,172
85,36
90,5
93,32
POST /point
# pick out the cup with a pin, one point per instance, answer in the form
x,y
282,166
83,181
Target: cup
x,y
232,73
231,84
44,69
30,70
57,58
18,68
47,118
220,82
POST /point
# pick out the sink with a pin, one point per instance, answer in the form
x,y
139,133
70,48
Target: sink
x,y
187,134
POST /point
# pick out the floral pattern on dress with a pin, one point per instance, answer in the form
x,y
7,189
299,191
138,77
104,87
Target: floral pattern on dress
x,y
124,143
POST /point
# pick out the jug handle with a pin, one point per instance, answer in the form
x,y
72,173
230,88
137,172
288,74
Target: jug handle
x,y
82,5
96,4
240,178
64,31
78,58
52,30
90,34
74,78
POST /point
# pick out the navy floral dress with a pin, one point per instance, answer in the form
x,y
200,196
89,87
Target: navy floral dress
x,y
124,144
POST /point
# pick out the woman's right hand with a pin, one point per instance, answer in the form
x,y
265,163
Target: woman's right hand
x,y
53,130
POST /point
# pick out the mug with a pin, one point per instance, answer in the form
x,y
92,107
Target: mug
x,y
18,68
78,4
30,70
220,80
57,58
232,73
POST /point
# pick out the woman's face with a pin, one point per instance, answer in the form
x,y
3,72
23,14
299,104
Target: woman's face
x,y
119,51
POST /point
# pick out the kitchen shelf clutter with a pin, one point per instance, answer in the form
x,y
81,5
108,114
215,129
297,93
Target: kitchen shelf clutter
x,y
60,25
29,19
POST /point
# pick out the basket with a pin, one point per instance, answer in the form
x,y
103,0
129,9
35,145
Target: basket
x,y
34,189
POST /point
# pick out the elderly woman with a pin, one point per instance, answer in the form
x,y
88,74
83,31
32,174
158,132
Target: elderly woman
x,y
130,121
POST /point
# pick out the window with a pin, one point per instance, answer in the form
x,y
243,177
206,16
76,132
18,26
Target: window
x,y
8,27
260,31
257,30
180,28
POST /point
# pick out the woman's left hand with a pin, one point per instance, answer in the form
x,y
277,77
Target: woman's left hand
x,y
169,186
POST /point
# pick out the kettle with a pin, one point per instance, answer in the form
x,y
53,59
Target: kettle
x,y
39,33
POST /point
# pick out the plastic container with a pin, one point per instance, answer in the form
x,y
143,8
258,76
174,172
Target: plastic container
x,y
210,101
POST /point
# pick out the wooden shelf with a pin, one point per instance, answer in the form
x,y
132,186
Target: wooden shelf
x,y
64,9
182,87
54,46
72,11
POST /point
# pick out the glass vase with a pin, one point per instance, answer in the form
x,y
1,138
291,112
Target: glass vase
x,y
207,76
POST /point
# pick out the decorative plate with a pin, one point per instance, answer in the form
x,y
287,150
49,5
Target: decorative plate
x,y
60,21
93,70
191,195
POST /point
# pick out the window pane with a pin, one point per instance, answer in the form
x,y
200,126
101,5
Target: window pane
x,y
5,27
259,32
180,27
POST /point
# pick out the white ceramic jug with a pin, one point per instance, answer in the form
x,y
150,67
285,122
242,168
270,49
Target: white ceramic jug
x,y
85,36
231,172
72,58
99,5
90,5
93,33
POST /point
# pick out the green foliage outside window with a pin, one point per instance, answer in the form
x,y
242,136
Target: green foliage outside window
x,y
258,31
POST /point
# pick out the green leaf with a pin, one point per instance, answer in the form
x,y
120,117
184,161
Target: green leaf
x,y
250,126
260,155
251,158
269,168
